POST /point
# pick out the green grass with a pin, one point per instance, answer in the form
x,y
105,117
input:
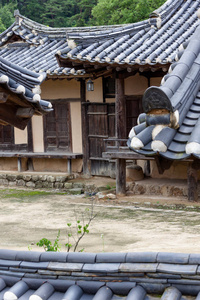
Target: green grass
x,y
24,194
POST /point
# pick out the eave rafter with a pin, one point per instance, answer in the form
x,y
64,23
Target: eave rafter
x,y
98,69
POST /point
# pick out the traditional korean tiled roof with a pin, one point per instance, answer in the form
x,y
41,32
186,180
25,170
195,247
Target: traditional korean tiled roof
x,y
25,84
29,275
170,123
33,46
150,42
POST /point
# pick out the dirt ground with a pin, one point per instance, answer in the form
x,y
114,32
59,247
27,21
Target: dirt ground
x,y
122,225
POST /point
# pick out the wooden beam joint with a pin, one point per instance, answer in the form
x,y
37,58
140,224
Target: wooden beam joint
x,y
3,97
25,112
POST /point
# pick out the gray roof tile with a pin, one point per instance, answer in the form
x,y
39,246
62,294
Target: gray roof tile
x,y
146,47
110,257
65,266
53,257
138,267
177,269
167,257
167,279
81,257
179,95
101,267
141,257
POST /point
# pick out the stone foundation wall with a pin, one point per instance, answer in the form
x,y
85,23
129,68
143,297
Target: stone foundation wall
x,y
63,183
165,189
44,181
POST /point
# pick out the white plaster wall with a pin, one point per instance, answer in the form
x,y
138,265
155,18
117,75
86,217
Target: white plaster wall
x,y
38,136
60,89
97,94
178,170
110,100
135,85
76,127
21,136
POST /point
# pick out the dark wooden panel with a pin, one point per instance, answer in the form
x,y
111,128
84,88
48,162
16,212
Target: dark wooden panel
x,y
101,125
57,128
133,109
101,121
7,141
103,168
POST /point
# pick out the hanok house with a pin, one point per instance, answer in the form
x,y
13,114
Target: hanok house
x,y
136,56
122,61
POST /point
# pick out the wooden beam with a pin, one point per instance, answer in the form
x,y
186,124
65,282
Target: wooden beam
x,y
97,67
25,112
192,180
85,130
120,132
130,155
120,109
13,98
3,97
8,115
30,136
121,177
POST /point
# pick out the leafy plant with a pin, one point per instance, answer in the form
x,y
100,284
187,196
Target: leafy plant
x,y
47,244
74,233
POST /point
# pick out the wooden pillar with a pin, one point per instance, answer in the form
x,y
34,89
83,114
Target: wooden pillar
x,y
120,133
193,181
85,142
120,109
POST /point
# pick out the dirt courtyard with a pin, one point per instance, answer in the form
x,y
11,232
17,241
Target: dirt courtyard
x,y
121,225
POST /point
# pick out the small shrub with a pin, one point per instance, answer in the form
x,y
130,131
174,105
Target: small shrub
x,y
75,233
47,244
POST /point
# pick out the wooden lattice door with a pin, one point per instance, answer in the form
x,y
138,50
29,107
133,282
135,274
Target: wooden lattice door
x,y
57,128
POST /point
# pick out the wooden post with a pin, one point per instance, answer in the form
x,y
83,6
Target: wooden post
x,y
120,109
30,136
193,181
85,142
120,132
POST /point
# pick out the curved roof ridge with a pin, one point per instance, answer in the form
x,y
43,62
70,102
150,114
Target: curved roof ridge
x,y
166,7
50,30
163,13
152,42
8,30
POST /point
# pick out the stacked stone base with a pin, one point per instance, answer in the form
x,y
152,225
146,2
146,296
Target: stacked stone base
x,y
157,189
36,181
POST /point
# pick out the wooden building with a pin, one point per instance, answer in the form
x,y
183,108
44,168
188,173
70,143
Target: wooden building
x,y
145,49
121,60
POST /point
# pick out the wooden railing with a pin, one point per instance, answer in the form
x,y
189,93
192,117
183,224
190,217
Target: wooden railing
x,y
118,149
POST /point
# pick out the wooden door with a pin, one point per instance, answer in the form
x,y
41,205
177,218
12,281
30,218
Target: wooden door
x,y
133,109
101,125
57,128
